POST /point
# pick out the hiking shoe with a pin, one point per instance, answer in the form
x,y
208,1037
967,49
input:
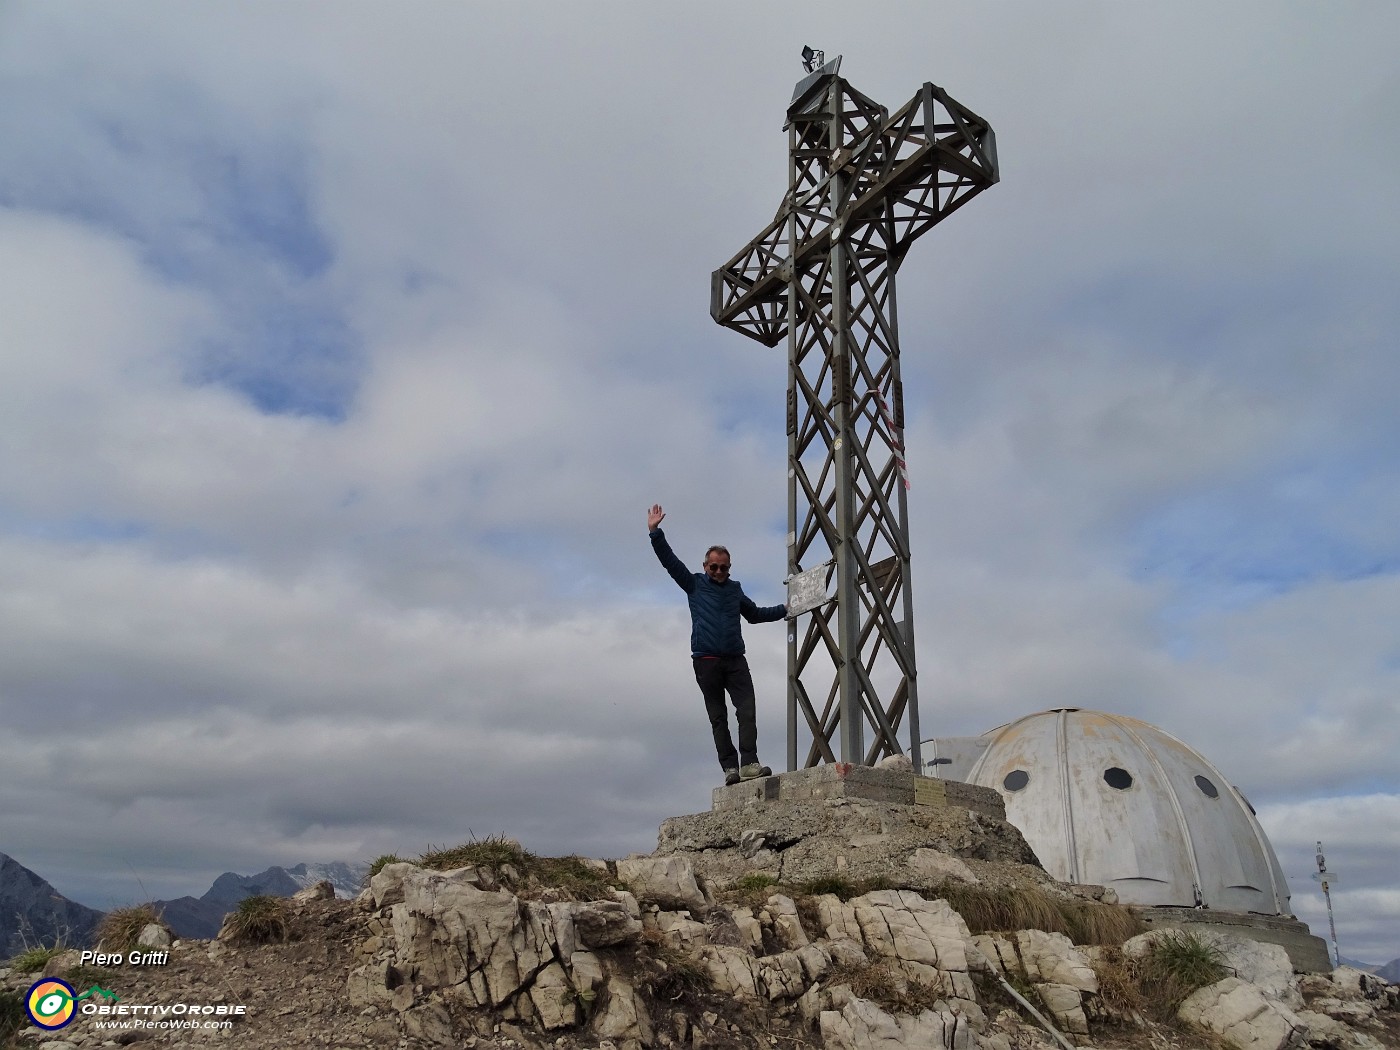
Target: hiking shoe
x,y
731,777
753,771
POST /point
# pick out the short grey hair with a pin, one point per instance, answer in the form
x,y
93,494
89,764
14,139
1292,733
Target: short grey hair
x,y
722,550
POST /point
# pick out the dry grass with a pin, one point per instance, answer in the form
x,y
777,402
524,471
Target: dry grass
x,y
840,887
882,983
670,977
1119,987
991,910
120,927
12,1015
523,872
1107,924
751,891
261,919
494,851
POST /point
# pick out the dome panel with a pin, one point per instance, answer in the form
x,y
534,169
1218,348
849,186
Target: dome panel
x,y
1118,802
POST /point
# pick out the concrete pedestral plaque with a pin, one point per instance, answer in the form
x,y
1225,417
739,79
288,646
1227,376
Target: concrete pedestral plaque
x,y
929,792
808,589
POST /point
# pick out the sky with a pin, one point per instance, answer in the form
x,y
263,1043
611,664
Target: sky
x,y
343,348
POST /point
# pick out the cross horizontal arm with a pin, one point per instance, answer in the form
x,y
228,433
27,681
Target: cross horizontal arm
x,y
912,169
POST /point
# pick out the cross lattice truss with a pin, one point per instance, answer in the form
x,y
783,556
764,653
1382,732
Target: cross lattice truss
x,y
865,184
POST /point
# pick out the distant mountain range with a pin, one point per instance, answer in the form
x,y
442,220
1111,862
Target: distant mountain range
x,y
33,913
1389,972
202,916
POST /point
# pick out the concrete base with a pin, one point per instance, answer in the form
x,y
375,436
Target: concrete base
x,y
844,780
1307,953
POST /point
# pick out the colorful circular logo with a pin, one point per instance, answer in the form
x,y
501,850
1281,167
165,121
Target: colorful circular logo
x,y
50,1003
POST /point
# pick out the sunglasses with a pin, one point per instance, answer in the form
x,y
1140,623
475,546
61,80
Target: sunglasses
x,y
713,567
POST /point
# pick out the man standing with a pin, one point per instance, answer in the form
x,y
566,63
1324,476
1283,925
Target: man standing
x,y
717,648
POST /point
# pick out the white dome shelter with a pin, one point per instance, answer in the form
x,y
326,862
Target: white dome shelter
x,y
1114,801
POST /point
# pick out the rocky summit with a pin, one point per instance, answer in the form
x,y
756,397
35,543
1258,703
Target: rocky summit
x,y
836,922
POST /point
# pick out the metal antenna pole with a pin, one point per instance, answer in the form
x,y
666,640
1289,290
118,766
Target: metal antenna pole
x,y
864,184
1326,877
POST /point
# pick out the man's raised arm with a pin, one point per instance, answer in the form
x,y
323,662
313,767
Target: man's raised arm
x,y
664,554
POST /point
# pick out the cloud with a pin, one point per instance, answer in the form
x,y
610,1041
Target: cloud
x,y
344,354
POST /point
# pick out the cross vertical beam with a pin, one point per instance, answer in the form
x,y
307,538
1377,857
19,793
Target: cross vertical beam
x,y
864,184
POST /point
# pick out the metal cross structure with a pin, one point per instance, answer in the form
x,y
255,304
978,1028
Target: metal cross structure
x,y
865,183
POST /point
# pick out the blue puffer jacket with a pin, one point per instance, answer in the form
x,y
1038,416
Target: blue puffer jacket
x,y
715,608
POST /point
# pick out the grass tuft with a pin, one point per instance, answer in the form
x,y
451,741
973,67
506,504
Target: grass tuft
x,y
120,927
996,910
261,919
524,872
35,959
1120,990
991,910
752,891
12,1014
1107,924
1175,966
670,976
840,886
882,983
494,851
758,880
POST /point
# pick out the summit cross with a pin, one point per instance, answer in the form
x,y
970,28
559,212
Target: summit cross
x,y
864,185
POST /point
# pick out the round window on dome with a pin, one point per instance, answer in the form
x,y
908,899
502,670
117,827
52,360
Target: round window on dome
x,y
1207,788
1016,780
1118,778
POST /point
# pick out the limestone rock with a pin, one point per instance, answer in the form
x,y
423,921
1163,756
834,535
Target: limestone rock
x,y
1238,1012
939,866
1066,1006
861,1025
787,927
1329,1032
154,935
750,929
1051,958
595,924
430,1023
838,918
731,970
680,930
623,1017
320,891
1351,1011
781,976
447,931
587,973
815,960
1352,983
372,984
901,924
667,881
995,951
846,952
554,998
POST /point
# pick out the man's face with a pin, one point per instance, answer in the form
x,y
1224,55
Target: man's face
x,y
717,567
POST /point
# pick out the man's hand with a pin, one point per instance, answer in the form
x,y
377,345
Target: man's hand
x,y
655,516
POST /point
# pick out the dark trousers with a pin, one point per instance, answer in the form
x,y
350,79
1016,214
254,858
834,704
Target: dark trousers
x,y
715,675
